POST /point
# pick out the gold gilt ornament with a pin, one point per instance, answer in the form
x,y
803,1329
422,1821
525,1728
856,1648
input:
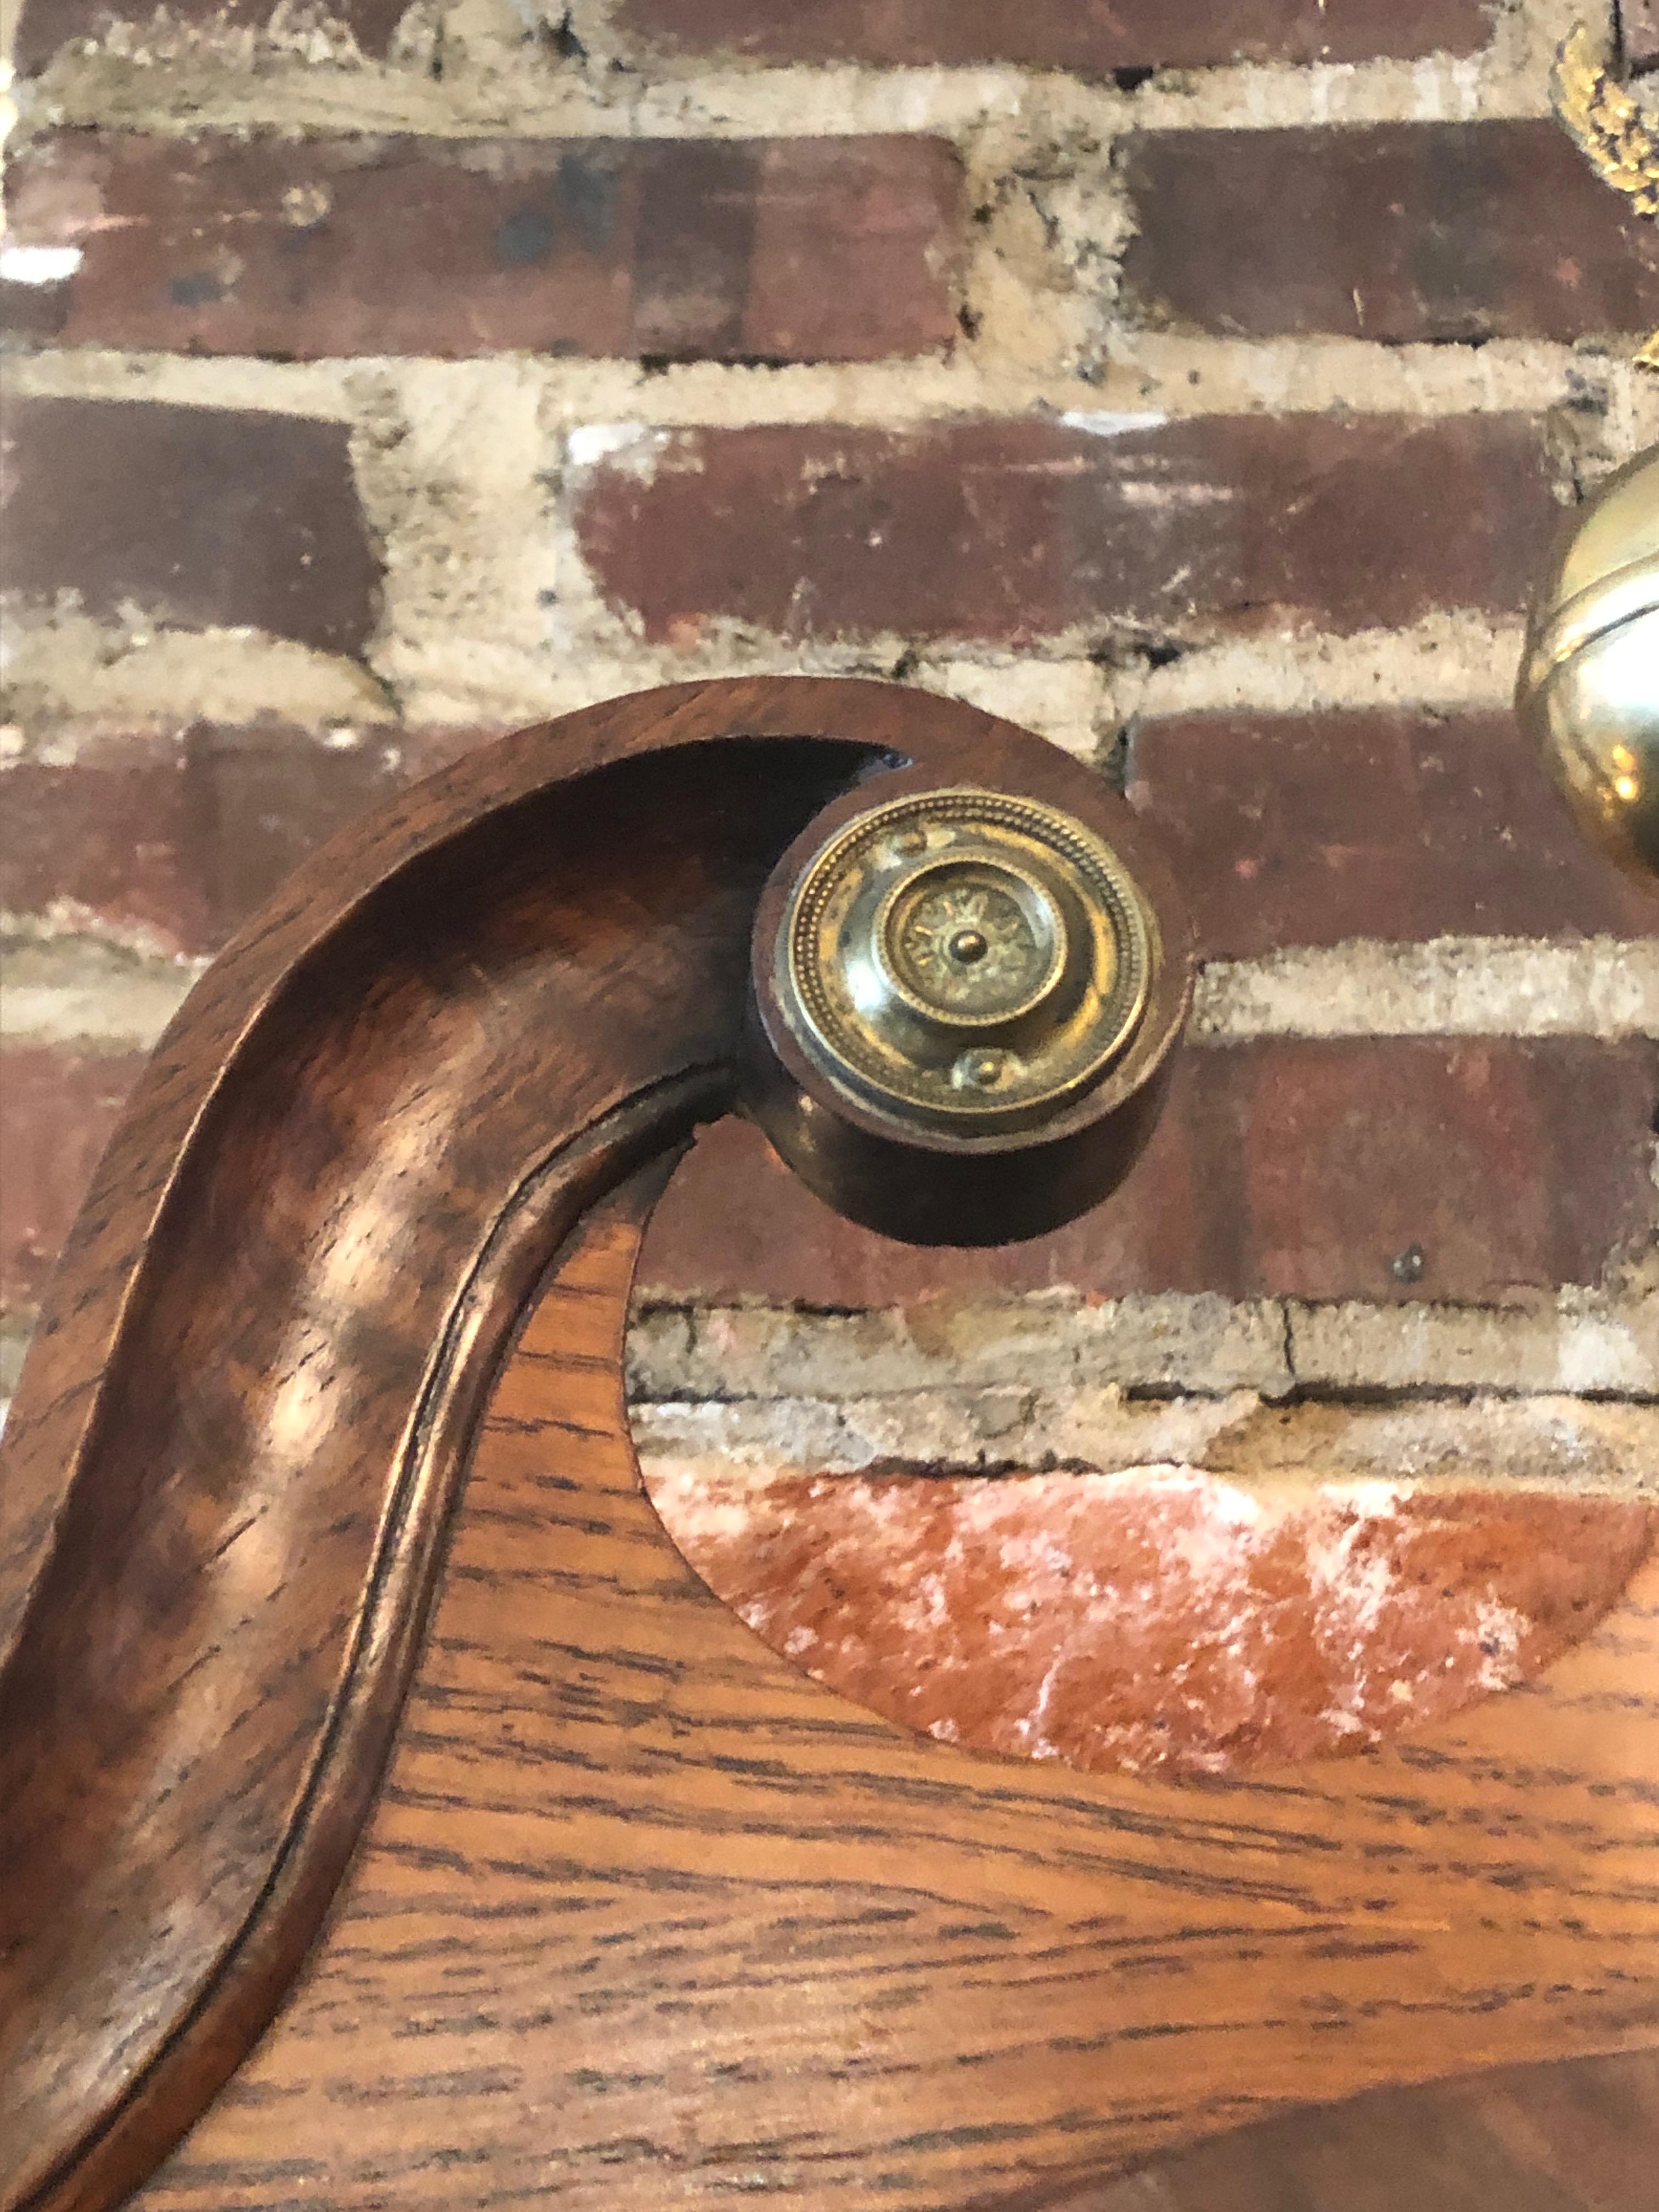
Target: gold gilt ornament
x,y
1620,140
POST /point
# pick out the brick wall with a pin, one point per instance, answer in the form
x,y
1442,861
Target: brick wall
x,y
1198,383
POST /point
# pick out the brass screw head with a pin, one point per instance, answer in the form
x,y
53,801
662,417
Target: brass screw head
x,y
966,960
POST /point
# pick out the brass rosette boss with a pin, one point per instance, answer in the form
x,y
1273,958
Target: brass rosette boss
x,y
965,960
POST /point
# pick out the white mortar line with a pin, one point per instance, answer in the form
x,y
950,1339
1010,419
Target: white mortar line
x,y
84,677
1451,661
1451,987
80,672
1447,665
1151,378
100,1013
249,84
1464,1434
1601,988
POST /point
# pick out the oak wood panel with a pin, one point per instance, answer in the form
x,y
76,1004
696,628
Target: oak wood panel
x,y
645,1919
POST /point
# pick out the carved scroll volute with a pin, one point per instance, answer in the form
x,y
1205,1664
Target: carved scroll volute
x,y
966,999
354,1157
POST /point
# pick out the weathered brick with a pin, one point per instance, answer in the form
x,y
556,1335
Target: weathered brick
x,y
270,801
1390,1169
57,1109
1638,29
1012,531
1394,1170
1457,1171
1072,34
199,517
179,848
179,836
1286,830
106,844
1308,829
1398,232
836,249
47,26
33,305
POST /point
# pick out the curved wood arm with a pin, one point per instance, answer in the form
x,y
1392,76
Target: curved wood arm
x,y
390,1108
233,1454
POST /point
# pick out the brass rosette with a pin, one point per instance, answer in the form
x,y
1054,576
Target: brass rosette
x,y
966,960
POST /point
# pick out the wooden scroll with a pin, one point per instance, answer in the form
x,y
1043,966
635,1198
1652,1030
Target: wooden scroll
x,y
389,1818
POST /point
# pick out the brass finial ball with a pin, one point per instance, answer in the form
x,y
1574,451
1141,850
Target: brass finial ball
x,y
1589,681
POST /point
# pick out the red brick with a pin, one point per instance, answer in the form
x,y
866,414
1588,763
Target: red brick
x,y
1472,1154
47,26
1086,35
1281,1169
840,249
269,802
1012,531
1308,829
34,310
1638,30
1399,232
200,517
106,844
181,835
56,1110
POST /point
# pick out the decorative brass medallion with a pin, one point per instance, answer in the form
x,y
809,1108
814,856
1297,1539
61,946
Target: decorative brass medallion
x,y
966,959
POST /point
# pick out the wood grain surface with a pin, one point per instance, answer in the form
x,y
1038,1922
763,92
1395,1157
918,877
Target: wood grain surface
x,y
642,1916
